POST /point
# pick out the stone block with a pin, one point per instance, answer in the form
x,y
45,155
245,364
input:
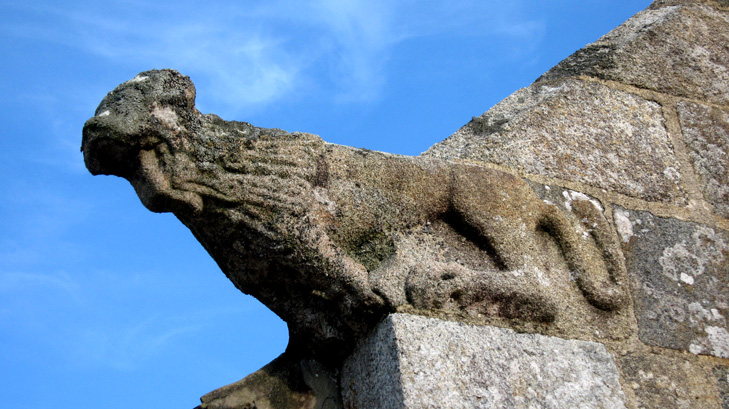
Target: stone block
x,y
679,50
417,362
668,382
579,131
680,282
706,131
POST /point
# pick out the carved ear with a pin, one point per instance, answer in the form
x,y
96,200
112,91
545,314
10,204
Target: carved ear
x,y
168,87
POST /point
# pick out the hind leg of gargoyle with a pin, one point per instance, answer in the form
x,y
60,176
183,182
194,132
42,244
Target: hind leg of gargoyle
x,y
500,208
591,254
511,242
499,213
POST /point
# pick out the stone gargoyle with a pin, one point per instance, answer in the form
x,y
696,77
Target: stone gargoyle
x,y
331,238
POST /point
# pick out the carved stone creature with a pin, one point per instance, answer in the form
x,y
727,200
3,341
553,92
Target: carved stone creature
x,y
330,237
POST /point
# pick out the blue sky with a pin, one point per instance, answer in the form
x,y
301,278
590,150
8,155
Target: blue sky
x,y
105,304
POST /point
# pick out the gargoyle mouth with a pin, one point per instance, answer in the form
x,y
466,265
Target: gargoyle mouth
x,y
108,151
157,193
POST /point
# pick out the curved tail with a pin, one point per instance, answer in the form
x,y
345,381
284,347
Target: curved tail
x,y
601,279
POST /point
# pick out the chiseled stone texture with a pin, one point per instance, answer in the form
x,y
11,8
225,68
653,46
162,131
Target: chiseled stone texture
x,y
681,50
576,130
706,131
722,378
679,273
441,364
667,382
370,377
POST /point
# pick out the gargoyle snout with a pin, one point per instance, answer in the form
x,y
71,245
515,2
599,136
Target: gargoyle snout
x,y
106,150
109,150
137,115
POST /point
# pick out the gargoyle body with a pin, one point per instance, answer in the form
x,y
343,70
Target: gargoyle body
x,y
330,237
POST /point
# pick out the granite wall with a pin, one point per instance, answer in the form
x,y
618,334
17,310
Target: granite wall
x,y
639,121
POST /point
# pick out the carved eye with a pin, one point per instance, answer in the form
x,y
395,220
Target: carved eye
x,y
447,276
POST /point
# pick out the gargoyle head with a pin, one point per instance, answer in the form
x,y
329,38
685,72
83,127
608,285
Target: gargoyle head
x,y
154,110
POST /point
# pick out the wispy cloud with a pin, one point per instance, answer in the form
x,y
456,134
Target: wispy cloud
x,y
258,53
96,322
357,36
42,211
125,347
136,339
62,282
57,111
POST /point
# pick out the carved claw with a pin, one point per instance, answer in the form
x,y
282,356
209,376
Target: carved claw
x,y
452,287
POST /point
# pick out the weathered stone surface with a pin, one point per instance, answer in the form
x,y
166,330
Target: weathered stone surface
x,y
280,384
668,382
721,374
579,131
711,3
680,50
680,277
706,131
371,376
323,234
429,363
